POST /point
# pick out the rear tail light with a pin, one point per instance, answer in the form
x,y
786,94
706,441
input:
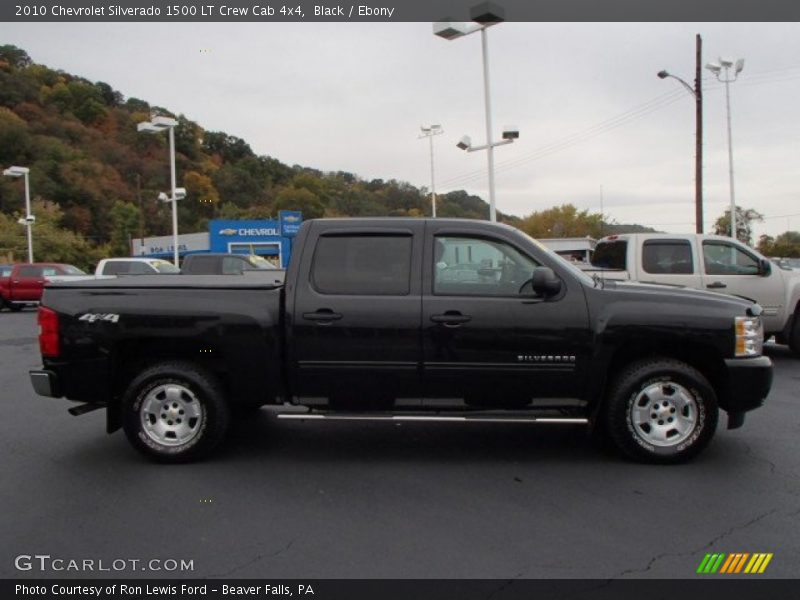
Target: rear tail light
x,y
49,344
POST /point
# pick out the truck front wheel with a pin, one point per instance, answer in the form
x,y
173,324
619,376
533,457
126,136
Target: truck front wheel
x,y
661,411
175,412
794,336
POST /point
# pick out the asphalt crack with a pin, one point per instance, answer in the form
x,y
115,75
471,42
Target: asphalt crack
x,y
715,540
253,561
506,584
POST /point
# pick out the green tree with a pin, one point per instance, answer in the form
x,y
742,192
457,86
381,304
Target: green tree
x,y
14,57
786,245
51,242
302,200
745,217
125,225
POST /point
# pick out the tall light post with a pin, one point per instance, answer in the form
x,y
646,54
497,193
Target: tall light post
x,y
29,219
717,69
157,125
697,92
483,16
429,132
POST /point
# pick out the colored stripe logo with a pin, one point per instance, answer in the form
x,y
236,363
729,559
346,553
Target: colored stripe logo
x,y
734,563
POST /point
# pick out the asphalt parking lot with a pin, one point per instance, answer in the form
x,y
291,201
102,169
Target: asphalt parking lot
x,y
295,499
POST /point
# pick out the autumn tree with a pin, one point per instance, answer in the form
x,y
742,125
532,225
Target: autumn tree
x,y
562,221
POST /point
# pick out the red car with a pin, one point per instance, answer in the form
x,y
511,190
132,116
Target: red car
x,y
22,284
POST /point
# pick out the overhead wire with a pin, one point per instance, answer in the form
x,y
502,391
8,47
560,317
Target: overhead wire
x,y
632,114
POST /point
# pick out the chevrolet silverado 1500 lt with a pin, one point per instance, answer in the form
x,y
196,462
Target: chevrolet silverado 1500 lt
x,y
404,319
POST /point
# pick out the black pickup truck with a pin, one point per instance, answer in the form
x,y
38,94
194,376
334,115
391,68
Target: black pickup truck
x,y
408,319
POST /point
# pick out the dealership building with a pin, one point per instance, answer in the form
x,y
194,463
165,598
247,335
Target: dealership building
x,y
270,238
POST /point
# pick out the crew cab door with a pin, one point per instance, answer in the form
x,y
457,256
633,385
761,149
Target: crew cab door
x,y
488,342
354,339
731,268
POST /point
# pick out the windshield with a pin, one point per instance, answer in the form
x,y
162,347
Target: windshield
x,y
163,266
259,262
583,277
792,263
70,270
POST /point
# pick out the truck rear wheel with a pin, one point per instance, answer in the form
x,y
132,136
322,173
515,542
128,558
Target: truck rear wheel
x,y
661,411
175,412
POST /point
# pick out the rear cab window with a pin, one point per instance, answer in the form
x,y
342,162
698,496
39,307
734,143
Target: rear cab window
x,y
610,254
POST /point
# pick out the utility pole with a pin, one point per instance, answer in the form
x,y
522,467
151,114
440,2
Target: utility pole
x,y
697,92
698,153
141,211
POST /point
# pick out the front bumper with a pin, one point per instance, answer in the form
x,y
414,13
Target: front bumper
x,y
750,380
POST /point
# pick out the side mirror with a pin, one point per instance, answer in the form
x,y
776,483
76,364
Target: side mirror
x,y
764,267
544,282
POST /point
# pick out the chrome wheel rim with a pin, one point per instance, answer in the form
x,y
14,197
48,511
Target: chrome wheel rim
x,y
171,415
664,414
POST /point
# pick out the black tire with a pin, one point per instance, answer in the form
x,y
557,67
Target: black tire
x,y
661,410
175,412
794,336
14,307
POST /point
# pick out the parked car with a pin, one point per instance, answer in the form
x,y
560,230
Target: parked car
x,y
710,262
22,284
134,266
788,263
367,326
224,264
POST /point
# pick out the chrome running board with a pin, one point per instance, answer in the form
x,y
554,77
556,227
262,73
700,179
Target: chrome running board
x,y
423,418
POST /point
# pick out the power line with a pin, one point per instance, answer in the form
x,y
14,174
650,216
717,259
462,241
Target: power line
x,y
612,123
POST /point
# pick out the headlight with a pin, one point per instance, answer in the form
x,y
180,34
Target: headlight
x,y
749,336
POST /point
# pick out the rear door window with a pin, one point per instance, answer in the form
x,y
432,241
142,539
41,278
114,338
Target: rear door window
x,y
371,264
667,257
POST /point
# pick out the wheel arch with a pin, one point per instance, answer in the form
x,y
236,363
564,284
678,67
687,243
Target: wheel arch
x,y
706,359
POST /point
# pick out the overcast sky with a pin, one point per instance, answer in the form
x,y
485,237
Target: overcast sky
x,y
590,109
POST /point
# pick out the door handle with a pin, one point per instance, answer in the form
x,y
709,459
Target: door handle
x,y
716,285
323,315
452,318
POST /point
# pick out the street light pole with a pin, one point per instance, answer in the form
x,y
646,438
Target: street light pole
x,y
488,107
697,92
717,70
172,195
157,125
429,132
29,218
483,16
